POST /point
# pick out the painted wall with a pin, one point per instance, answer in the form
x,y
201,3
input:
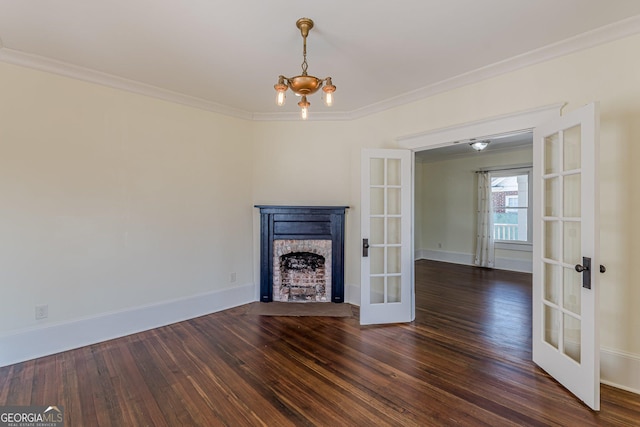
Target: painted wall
x,y
112,201
446,204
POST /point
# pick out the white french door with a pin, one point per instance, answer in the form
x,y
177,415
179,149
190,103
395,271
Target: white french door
x,y
387,246
566,261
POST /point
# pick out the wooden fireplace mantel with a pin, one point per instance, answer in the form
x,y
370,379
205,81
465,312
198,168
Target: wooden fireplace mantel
x,y
301,223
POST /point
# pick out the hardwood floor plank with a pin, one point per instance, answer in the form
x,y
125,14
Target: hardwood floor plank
x,y
464,361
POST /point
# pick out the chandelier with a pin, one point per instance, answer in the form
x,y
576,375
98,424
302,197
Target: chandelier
x,y
304,84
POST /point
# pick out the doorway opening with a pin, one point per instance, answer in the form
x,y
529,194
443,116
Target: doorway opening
x,y
446,201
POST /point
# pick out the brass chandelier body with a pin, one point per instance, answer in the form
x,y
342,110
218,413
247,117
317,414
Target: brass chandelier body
x,y
304,84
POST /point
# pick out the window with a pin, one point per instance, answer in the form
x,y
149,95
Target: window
x,y
511,204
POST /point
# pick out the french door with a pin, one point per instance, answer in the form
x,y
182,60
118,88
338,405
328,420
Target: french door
x,y
566,265
387,247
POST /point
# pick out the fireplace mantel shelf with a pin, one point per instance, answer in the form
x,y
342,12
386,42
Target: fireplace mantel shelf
x,y
301,223
314,209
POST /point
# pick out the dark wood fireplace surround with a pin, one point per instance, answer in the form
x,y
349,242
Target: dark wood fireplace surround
x,y
301,223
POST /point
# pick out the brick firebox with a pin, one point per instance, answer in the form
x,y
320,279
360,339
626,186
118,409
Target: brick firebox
x,y
302,270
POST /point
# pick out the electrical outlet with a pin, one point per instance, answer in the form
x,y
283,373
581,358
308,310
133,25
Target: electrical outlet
x,y
232,277
42,311
439,245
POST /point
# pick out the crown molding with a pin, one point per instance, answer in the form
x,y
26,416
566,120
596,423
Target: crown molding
x,y
608,33
92,76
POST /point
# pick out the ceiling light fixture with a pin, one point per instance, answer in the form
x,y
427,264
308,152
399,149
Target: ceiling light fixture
x,y
479,145
304,84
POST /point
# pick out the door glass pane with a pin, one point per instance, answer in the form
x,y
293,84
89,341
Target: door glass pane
x,y
572,148
377,231
572,337
393,172
393,207
377,260
393,260
572,252
552,281
551,154
552,236
393,230
572,290
551,325
376,167
571,195
377,201
551,197
393,289
377,290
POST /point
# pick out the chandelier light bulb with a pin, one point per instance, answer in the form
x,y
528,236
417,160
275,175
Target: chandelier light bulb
x,y
304,108
328,99
281,89
328,90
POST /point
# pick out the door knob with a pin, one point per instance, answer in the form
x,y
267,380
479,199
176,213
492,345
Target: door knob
x,y
584,269
365,247
580,268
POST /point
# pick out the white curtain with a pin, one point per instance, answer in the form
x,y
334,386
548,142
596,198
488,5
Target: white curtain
x,y
485,245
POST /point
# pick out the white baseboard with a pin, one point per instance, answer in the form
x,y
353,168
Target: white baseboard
x,y
54,338
467,259
620,369
445,256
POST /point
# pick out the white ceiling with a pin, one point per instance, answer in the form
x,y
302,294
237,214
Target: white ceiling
x,y
226,55
459,149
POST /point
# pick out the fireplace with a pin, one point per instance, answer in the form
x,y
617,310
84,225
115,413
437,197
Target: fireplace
x,y
302,253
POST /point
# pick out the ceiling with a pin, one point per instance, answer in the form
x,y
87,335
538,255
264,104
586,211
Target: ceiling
x,y
458,149
226,55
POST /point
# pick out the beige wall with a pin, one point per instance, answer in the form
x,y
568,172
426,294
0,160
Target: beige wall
x,y
111,200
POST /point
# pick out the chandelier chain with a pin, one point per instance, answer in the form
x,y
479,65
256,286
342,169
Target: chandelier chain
x,y
304,56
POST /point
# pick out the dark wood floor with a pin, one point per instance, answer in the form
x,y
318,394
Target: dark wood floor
x,y
465,361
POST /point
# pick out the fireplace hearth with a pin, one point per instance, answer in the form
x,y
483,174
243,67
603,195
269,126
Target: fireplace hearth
x,y
302,253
